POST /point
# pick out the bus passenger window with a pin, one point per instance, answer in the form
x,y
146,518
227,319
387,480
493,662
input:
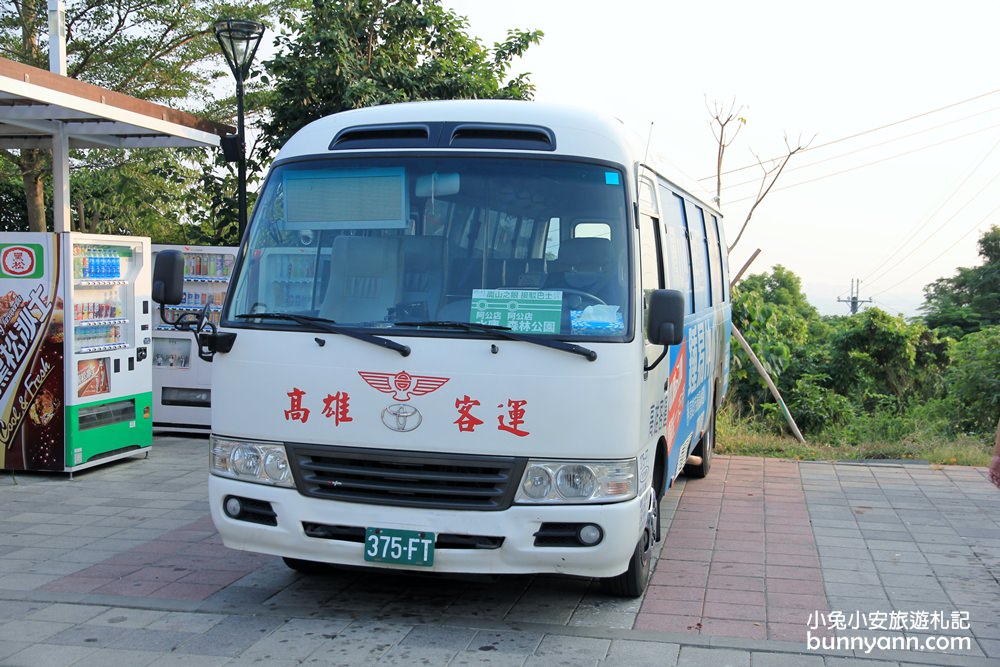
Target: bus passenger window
x,y
678,255
699,256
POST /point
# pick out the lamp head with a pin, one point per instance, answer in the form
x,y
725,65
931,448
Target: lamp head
x,y
239,39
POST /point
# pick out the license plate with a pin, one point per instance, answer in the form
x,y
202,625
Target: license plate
x,y
403,547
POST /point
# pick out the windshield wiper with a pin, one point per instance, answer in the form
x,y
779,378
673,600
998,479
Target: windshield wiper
x,y
331,326
505,332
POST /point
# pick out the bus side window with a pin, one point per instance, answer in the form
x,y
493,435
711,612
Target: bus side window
x,y
723,254
678,252
651,268
714,265
699,257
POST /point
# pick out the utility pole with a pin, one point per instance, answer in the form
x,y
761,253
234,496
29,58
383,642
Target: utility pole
x,y
855,297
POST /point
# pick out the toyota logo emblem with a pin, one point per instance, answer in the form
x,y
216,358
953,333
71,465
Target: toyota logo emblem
x,y
402,418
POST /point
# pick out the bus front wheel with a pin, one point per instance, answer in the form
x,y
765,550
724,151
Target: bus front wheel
x,y
632,582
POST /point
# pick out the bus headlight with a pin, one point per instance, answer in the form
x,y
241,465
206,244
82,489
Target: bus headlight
x,y
553,482
258,462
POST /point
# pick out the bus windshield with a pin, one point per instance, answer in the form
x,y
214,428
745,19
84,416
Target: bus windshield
x,y
533,246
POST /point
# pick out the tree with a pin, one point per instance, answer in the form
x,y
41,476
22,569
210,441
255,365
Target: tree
x,y
721,121
970,300
877,355
781,287
157,50
775,318
348,54
974,380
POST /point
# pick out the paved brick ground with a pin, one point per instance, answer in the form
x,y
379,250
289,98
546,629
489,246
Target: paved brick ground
x,y
121,565
188,563
739,559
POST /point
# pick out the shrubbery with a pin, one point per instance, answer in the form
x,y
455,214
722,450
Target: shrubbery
x,y
869,377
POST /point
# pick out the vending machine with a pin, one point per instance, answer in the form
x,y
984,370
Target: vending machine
x,y
75,337
182,381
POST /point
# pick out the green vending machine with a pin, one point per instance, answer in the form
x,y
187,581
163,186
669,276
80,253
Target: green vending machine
x,y
75,374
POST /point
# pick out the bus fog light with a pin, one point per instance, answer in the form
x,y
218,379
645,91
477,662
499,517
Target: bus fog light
x,y
576,481
590,535
537,482
233,507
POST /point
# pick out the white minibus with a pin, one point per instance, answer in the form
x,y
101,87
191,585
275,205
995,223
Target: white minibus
x,y
464,337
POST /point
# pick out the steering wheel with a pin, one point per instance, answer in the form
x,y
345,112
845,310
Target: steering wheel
x,y
585,297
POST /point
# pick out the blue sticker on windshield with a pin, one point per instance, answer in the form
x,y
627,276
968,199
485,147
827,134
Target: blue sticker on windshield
x,y
611,178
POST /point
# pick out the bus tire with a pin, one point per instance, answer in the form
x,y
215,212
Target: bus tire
x,y
632,582
307,566
704,449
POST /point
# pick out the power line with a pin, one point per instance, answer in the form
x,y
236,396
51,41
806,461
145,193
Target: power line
x,y
942,253
938,229
861,134
882,265
875,145
870,164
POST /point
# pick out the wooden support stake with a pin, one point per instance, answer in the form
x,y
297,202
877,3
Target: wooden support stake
x,y
770,385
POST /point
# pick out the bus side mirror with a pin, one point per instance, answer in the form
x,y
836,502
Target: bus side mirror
x,y
666,317
168,277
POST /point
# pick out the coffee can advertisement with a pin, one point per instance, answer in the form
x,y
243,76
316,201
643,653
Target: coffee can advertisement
x,y
32,422
92,377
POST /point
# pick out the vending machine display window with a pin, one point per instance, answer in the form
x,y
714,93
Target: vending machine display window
x,y
181,380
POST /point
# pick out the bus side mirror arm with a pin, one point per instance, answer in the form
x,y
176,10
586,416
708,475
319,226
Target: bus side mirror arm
x,y
666,321
168,290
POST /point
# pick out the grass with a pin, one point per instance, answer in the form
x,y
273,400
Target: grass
x,y
742,437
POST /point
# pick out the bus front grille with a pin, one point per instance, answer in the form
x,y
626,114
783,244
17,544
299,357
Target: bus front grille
x,y
405,478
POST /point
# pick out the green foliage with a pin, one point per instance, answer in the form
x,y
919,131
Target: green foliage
x,y
860,380
105,187
974,380
970,300
775,318
357,53
875,354
13,211
743,436
815,405
157,50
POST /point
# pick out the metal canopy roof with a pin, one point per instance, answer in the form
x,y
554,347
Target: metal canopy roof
x,y
37,105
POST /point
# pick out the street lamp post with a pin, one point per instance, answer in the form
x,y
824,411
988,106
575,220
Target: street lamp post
x,y
239,40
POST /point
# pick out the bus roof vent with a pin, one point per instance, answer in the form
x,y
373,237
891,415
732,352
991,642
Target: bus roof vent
x,y
490,135
382,136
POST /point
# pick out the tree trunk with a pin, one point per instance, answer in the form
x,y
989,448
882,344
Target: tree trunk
x,y
34,188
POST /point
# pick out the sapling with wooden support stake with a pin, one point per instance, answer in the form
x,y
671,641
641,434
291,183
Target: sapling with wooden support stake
x,y
722,120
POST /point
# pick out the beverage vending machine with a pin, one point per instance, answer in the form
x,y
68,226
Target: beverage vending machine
x,y
75,335
182,381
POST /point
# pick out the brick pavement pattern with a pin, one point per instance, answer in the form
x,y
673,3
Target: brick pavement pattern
x,y
121,565
739,559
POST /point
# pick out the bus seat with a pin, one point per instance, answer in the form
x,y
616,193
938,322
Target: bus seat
x,y
365,279
586,265
524,273
423,273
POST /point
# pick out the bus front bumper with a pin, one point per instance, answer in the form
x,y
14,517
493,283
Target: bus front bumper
x,y
493,542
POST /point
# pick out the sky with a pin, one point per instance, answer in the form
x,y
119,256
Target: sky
x,y
897,103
